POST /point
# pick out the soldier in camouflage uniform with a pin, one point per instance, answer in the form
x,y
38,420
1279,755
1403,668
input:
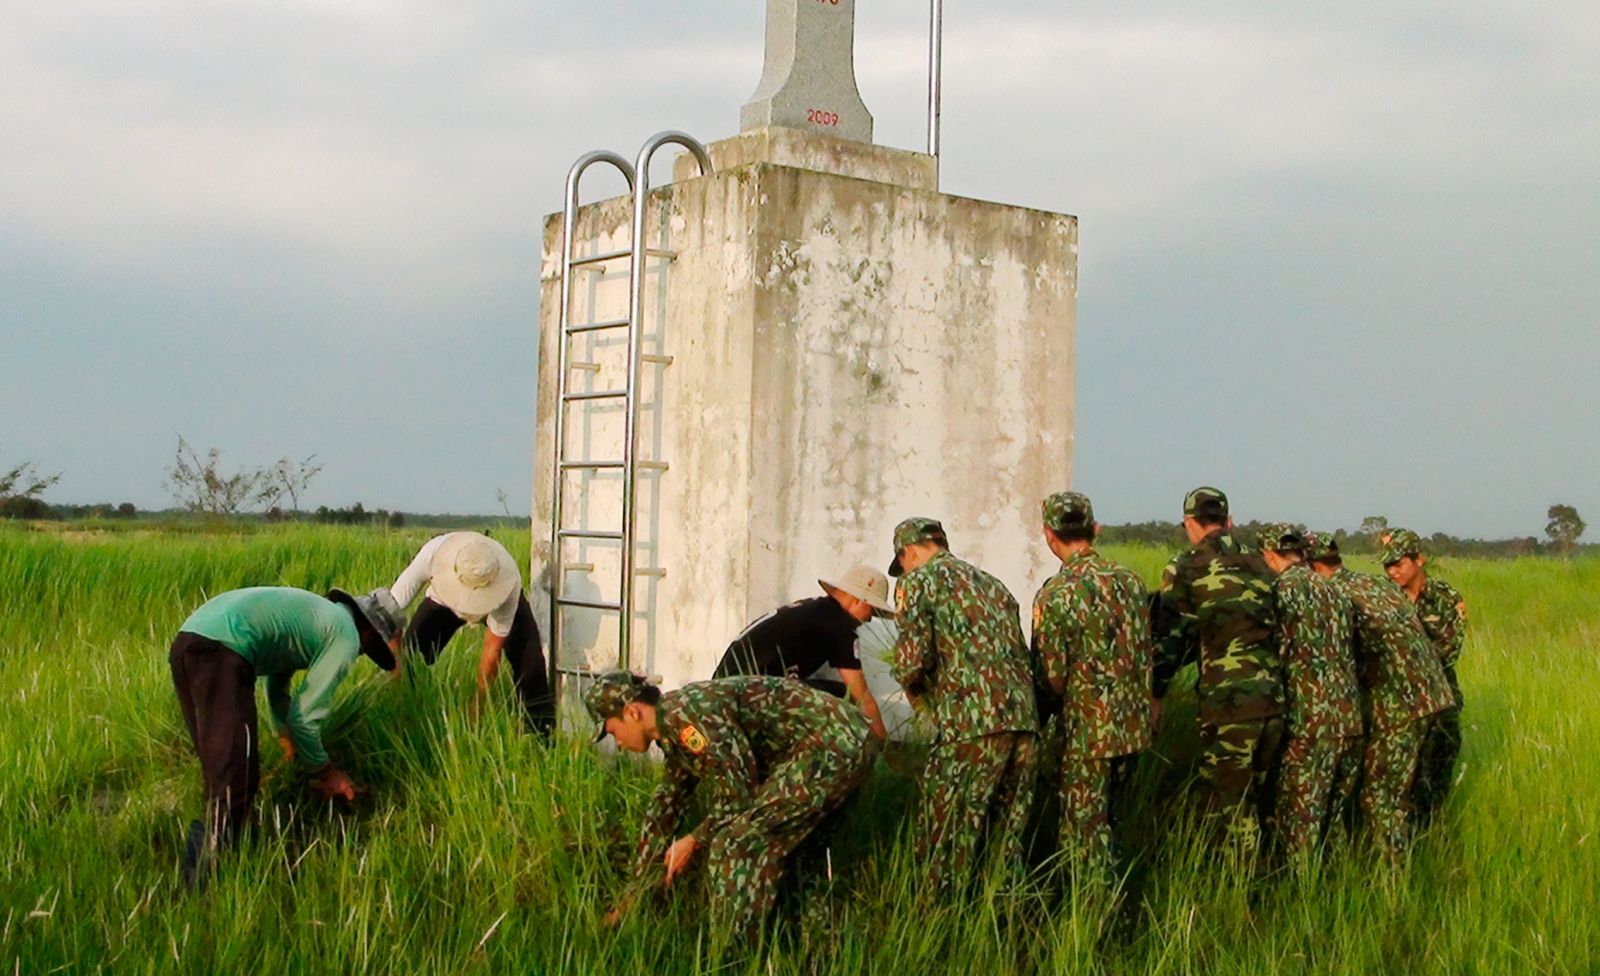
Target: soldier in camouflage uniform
x,y
1444,616
1091,637
962,660
1402,684
1322,754
1216,608
777,756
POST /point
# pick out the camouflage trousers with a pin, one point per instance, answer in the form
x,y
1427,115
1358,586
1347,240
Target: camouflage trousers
x,y
1388,766
1235,760
1316,782
976,795
1089,792
1436,764
747,856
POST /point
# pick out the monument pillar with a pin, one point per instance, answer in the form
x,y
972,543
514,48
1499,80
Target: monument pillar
x,y
808,80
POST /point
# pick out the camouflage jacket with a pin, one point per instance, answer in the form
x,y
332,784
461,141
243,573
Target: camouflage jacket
x,y
1216,607
1444,617
1315,642
731,733
1401,677
1091,630
960,651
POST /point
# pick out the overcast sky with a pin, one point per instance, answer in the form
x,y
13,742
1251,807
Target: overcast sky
x,y
1338,259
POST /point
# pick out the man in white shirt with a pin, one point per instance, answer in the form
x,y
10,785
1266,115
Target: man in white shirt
x,y
472,579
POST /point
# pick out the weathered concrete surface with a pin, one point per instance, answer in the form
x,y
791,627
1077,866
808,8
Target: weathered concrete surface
x,y
808,80
781,146
847,353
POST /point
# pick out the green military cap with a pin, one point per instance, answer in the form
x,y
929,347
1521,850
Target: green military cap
x,y
1399,543
1282,537
1321,545
610,694
918,528
1068,510
1207,503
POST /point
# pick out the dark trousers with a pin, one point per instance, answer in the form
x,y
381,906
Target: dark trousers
x,y
217,693
433,625
1436,765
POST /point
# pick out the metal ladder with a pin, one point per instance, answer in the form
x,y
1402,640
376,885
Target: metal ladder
x,y
629,464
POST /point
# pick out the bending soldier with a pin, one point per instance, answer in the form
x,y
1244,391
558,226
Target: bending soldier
x,y
1322,754
1403,686
776,757
1091,636
962,661
1444,616
1216,608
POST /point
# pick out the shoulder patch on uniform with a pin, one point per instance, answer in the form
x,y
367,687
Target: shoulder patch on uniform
x,y
692,739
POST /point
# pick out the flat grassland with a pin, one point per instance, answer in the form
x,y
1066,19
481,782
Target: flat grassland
x,y
479,849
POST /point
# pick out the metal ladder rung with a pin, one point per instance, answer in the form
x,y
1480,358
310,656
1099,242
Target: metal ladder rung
x,y
651,465
577,567
597,326
595,395
589,534
655,571
651,357
604,256
578,672
589,465
591,604
586,367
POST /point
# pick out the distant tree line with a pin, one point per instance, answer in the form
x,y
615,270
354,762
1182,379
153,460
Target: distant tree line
x,y
1562,533
202,486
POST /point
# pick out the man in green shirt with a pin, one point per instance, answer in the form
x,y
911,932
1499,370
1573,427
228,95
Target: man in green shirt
x,y
268,632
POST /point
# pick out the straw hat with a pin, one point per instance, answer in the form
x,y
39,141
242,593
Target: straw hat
x,y
863,583
473,574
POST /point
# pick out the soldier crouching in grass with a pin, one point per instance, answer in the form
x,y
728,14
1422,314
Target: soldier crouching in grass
x,y
1403,687
962,660
777,757
1323,752
268,632
1091,634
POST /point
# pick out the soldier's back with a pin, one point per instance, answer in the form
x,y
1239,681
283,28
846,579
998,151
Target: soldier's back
x,y
1315,628
983,683
1227,590
1400,671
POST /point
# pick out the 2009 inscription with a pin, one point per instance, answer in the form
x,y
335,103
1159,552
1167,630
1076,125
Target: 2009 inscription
x,y
817,116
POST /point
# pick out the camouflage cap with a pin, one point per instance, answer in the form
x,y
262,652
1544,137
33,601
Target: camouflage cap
x,y
1068,510
918,528
1321,545
1282,537
1399,543
1206,503
610,694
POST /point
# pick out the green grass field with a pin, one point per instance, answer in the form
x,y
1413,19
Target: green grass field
x,y
479,849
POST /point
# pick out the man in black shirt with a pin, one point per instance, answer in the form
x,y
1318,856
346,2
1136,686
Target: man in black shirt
x,y
795,640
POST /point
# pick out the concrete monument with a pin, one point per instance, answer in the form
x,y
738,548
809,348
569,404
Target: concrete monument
x,y
835,345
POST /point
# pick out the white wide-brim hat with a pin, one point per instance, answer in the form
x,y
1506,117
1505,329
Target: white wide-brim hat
x,y
472,574
863,583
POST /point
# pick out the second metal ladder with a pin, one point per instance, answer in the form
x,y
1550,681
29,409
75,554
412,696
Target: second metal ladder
x,y
628,464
